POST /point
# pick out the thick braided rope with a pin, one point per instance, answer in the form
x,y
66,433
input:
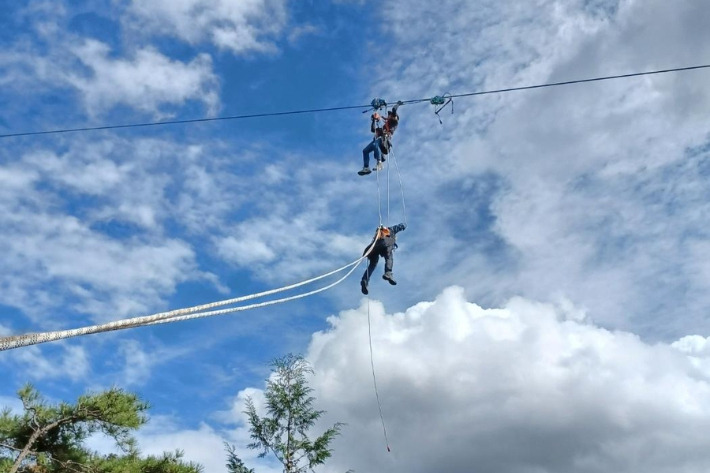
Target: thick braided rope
x,y
268,303
17,341
253,306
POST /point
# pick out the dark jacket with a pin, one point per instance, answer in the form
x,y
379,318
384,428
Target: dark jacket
x,y
389,242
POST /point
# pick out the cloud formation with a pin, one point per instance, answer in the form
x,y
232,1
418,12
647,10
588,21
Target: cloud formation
x,y
527,387
142,78
239,26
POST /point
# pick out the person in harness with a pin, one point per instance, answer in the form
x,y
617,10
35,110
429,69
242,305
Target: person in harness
x,y
385,242
382,142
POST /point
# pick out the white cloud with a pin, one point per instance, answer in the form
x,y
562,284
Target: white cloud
x,y
204,444
522,388
57,238
142,78
69,362
147,81
240,26
246,251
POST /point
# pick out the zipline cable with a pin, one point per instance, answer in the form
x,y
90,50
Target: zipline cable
x,y
352,107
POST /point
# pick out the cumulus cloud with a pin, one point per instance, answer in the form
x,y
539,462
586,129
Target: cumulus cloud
x,y
238,26
526,387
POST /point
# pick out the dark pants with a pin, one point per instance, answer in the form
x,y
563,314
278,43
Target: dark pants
x,y
374,146
383,250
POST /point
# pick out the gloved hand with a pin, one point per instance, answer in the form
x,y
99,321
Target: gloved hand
x,y
399,102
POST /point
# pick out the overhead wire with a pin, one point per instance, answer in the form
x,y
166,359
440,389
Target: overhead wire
x,y
351,107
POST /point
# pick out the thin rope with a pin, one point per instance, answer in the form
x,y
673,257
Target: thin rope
x,y
17,341
374,378
401,188
351,107
379,197
388,193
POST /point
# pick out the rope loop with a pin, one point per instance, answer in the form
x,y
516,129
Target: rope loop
x,y
378,104
440,102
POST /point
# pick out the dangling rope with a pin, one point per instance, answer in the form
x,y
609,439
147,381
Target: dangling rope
x,y
374,378
388,193
401,188
379,196
440,102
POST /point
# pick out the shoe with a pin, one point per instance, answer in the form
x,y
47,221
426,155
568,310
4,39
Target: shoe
x,y
364,171
363,287
388,277
378,167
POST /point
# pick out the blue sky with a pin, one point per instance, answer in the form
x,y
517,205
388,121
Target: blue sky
x,y
555,261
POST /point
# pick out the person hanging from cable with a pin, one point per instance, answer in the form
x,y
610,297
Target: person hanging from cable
x,y
382,141
385,242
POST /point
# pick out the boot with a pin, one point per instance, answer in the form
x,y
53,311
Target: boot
x,y
364,171
363,287
388,277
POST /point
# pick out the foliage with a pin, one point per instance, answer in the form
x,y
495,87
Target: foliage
x,y
49,438
133,463
290,415
234,463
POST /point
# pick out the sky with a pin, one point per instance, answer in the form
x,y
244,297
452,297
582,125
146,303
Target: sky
x,y
553,281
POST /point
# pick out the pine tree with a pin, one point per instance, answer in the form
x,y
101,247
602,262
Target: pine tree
x,y
290,414
50,438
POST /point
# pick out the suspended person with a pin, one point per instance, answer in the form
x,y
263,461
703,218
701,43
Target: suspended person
x,y
385,242
382,142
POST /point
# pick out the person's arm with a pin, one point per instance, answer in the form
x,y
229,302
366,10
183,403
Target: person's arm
x,y
394,109
398,228
375,119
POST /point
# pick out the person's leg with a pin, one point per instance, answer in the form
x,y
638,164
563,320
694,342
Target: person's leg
x,y
373,146
389,262
373,258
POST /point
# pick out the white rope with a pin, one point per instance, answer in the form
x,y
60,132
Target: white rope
x,y
253,306
388,193
379,196
401,188
374,378
17,341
